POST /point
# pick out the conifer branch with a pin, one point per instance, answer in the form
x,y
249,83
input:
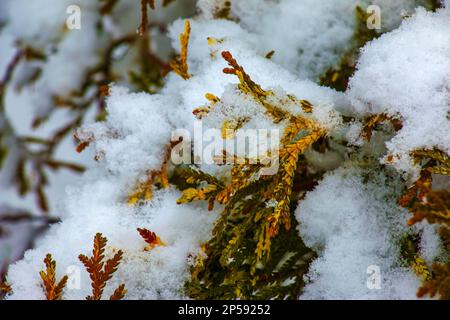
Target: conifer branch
x,y
5,288
143,191
119,293
142,30
421,269
100,271
247,85
151,238
438,283
434,206
180,66
372,121
53,289
255,206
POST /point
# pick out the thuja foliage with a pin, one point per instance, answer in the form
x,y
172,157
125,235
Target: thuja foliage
x,y
255,251
420,199
434,207
53,289
36,155
99,269
150,238
180,66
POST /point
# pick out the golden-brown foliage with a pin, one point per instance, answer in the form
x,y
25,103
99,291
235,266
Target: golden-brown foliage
x,y
53,289
420,268
338,76
5,288
279,188
372,121
101,271
434,160
238,262
143,191
434,207
119,293
425,203
439,281
142,30
180,65
247,85
151,238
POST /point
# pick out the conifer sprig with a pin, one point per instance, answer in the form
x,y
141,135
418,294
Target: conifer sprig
x,y
151,238
53,289
247,85
101,271
119,293
5,288
235,263
439,281
142,30
434,206
180,66
144,192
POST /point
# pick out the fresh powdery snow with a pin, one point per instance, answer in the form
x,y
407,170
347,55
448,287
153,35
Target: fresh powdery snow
x,y
406,74
352,224
351,219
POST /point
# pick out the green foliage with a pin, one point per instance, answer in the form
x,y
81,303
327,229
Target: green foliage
x,y
228,270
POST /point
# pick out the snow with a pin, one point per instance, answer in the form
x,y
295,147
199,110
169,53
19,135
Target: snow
x,y
406,74
135,129
354,225
34,26
307,37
